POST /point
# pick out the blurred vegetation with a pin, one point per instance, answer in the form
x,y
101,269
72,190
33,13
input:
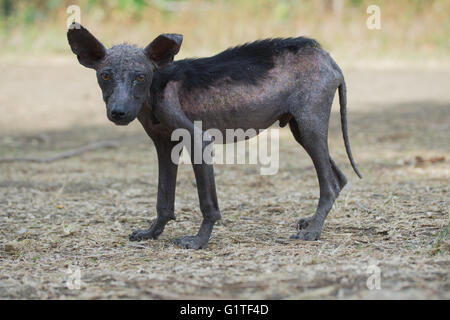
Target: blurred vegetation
x,y
408,27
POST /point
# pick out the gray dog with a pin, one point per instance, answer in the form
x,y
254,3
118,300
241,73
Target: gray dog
x,y
250,86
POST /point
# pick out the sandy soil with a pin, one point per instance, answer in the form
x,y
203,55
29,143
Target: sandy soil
x,y
78,212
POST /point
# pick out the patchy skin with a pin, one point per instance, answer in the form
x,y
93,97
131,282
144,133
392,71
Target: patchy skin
x,y
288,80
225,105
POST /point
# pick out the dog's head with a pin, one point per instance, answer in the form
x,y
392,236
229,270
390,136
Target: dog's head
x,y
124,72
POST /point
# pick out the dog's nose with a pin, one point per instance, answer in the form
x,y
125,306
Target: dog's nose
x,y
118,114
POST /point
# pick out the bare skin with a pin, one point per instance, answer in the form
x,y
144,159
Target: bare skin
x,y
298,89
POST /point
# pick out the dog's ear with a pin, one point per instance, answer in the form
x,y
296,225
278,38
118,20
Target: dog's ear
x,y
164,48
87,48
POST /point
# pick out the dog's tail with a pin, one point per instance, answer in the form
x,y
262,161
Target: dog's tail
x,y
343,103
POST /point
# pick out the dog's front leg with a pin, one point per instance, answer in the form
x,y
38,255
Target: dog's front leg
x,y
170,113
206,188
166,191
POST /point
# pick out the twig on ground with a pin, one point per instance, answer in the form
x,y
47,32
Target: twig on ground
x,y
65,154
363,207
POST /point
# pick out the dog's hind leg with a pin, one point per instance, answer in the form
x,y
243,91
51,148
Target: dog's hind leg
x,y
310,129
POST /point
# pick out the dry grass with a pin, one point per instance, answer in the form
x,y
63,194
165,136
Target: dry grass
x,y
79,211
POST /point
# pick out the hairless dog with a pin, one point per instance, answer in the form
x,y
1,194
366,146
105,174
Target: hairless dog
x,y
291,80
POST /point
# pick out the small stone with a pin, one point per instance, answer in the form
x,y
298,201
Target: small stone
x,y
11,247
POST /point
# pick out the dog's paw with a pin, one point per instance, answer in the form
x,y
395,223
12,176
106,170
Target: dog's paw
x,y
191,242
307,235
304,223
139,235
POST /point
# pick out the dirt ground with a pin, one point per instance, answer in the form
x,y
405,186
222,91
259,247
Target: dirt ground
x,y
77,213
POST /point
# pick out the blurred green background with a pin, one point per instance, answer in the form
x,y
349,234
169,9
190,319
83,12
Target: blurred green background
x,y
410,29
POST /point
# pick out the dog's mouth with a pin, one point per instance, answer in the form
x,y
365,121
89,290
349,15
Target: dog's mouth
x,y
122,122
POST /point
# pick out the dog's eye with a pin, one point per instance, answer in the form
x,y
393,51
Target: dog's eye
x,y
105,76
140,77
